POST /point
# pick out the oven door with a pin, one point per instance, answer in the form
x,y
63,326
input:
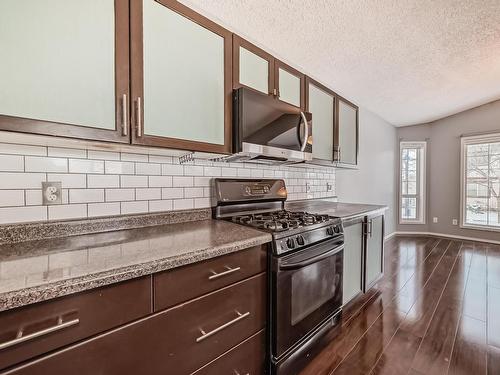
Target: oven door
x,y
307,289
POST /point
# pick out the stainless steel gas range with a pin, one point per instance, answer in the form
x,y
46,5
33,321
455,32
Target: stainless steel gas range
x,y
305,263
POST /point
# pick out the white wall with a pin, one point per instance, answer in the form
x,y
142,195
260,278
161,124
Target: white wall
x,y
374,182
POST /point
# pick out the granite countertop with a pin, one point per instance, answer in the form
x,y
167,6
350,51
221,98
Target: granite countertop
x,y
342,210
35,271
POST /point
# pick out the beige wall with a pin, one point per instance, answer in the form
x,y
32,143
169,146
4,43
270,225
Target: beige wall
x,y
443,170
374,181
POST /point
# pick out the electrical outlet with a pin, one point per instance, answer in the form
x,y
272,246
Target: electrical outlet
x,y
329,186
454,222
434,219
308,187
51,192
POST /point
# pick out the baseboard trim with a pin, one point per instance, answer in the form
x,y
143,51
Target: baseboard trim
x,y
433,234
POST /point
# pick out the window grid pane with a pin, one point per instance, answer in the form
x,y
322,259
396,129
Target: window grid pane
x,y
409,182
482,185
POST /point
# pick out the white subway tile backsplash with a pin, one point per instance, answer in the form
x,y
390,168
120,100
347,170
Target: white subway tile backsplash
x,y
202,181
69,181
67,211
202,202
21,180
212,171
98,183
118,195
147,169
67,152
86,195
172,193
146,194
22,214
160,205
103,181
119,167
133,181
134,207
11,163
194,192
33,197
134,157
86,166
182,181
9,198
172,170
160,159
193,170
103,209
160,181
15,149
103,155
183,204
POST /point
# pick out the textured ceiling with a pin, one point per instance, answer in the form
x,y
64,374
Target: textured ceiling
x,y
408,61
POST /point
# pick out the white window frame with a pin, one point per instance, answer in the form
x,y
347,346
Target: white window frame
x,y
465,141
421,183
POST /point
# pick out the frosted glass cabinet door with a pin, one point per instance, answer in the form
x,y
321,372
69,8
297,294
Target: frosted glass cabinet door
x,y
64,67
321,105
253,67
374,250
348,133
185,79
353,251
290,84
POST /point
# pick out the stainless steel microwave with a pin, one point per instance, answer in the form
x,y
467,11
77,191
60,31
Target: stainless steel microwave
x,y
266,130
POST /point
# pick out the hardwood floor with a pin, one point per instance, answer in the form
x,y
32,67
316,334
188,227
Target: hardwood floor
x,y
435,311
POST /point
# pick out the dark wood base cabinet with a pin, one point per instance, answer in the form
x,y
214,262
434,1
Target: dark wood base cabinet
x,y
220,332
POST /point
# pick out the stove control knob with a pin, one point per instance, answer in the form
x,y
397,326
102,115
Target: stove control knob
x,y
300,241
290,243
329,231
336,228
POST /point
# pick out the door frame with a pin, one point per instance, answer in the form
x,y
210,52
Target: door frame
x,y
137,80
122,73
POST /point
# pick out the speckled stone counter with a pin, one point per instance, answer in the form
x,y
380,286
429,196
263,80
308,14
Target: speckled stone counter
x,y
39,270
342,210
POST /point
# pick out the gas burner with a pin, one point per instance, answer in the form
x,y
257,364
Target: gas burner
x,y
282,220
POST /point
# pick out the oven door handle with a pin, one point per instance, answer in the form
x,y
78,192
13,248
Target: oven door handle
x,y
308,261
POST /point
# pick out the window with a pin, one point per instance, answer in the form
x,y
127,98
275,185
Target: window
x,y
480,191
412,183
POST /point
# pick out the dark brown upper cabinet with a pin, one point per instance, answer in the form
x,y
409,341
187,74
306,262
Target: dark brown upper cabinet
x,y
181,67
347,130
321,102
256,69
65,71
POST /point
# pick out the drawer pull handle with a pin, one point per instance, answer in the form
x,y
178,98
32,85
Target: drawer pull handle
x,y
228,272
237,373
206,335
20,338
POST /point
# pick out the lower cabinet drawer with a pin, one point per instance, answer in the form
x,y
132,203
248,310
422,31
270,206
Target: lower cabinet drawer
x,y
248,358
36,329
177,341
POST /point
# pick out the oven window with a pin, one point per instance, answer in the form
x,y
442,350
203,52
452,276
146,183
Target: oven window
x,y
312,286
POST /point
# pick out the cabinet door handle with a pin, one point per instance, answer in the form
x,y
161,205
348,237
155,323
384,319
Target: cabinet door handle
x,y
139,117
220,274
206,335
370,231
124,115
20,338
